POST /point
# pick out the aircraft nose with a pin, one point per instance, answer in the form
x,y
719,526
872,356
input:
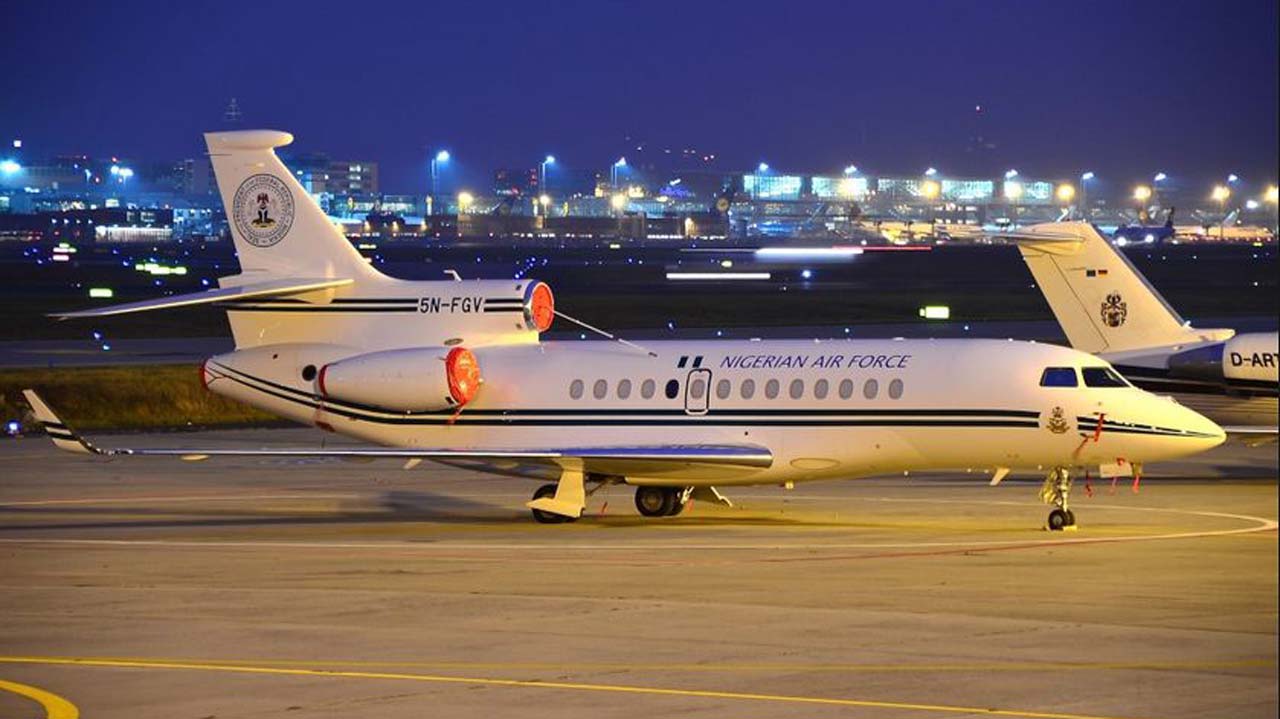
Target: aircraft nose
x,y
1201,426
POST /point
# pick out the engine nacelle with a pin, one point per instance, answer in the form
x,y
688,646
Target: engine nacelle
x,y
421,379
1254,356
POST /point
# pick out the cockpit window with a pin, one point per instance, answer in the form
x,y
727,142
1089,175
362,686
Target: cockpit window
x,y
1102,377
1059,377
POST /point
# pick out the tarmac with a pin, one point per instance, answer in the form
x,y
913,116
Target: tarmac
x,y
261,587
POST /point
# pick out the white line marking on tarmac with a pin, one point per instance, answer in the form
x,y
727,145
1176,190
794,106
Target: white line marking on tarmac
x,y
193,498
1260,525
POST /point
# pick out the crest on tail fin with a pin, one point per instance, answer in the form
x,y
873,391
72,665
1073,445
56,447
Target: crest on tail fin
x,y
1114,310
262,210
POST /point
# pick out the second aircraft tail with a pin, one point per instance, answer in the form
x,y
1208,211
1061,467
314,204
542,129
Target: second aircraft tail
x,y
1101,300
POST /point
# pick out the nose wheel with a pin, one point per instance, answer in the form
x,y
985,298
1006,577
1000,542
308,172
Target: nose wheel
x,y
1057,491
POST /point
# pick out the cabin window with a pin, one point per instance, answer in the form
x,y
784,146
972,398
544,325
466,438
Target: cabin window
x,y
600,389
624,389
895,389
697,388
870,389
723,389
1102,377
647,388
1059,377
846,388
575,389
771,389
673,389
748,388
797,389
820,389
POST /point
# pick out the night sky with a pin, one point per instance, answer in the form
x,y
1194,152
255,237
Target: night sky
x,y
1124,88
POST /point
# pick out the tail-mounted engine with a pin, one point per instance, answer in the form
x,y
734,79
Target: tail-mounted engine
x,y
425,379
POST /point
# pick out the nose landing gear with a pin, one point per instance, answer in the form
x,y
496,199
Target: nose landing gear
x,y
1056,491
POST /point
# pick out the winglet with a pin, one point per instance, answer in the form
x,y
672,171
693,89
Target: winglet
x,y
63,436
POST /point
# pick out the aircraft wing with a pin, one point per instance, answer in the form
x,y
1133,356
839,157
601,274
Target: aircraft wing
x,y
257,289
623,459
1253,435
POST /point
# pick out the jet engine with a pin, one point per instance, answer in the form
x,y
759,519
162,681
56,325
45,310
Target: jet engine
x,y
422,379
1252,356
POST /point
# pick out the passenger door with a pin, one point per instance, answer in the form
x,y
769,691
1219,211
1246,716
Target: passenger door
x,y
697,392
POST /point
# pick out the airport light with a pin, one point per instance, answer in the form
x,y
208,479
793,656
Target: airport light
x,y
17,144
1220,194
10,167
1142,193
618,201
931,172
1272,195
1066,192
1086,176
1251,204
613,171
441,158
1160,177
762,167
542,172
1009,175
1013,191
851,170
847,187
1233,178
465,199
930,189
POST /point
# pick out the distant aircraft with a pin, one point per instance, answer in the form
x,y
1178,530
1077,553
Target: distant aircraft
x,y
1144,232
454,371
1107,308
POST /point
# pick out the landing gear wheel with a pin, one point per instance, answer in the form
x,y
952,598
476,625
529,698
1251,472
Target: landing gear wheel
x,y
1058,519
677,506
655,501
541,517
1071,518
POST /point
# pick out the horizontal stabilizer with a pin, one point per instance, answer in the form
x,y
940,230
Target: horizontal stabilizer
x,y
274,288
610,460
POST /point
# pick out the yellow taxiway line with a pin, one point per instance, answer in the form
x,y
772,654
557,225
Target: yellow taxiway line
x,y
55,707
231,667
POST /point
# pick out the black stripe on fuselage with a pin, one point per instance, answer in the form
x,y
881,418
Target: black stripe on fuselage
x,y
797,418
650,412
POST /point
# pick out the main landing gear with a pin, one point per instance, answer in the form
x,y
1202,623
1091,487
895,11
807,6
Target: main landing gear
x,y
662,501
1056,491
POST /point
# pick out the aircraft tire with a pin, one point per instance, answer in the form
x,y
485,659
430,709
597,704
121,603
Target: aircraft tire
x,y
1057,520
676,505
655,501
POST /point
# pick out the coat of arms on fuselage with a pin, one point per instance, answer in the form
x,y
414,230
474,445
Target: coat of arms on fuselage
x,y
1114,310
1057,422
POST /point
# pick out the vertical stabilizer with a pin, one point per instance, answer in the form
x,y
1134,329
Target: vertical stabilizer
x,y
278,229
1101,300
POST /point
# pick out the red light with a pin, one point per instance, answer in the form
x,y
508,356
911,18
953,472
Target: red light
x,y
463,373
541,309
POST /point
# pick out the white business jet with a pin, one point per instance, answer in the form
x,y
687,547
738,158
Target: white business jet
x,y
454,371
1107,308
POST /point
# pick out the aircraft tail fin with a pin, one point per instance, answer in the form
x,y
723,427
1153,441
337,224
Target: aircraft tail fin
x,y
278,229
1099,298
